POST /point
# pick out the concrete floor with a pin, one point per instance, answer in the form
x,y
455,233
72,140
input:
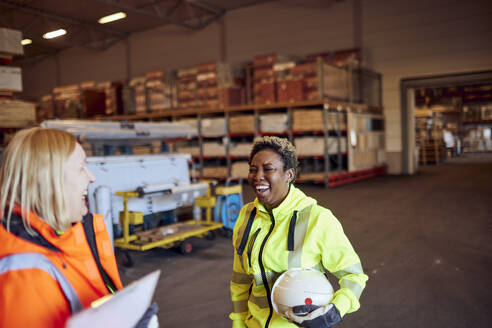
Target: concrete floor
x,y
424,241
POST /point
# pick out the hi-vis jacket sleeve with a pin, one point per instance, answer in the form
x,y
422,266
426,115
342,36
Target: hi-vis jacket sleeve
x,y
240,281
339,257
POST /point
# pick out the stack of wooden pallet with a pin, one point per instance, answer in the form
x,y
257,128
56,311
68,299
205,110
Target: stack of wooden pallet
x,y
242,124
432,151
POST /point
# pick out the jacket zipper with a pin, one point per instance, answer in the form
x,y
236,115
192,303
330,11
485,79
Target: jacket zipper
x,y
262,268
250,246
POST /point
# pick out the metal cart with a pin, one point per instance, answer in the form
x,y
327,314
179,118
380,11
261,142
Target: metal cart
x,y
169,236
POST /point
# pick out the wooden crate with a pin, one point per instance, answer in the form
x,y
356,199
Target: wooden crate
x,y
240,149
242,124
307,120
213,149
16,113
240,169
310,146
214,172
193,151
213,127
274,123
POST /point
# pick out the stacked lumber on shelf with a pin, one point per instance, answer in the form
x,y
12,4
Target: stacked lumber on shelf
x,y
207,93
16,113
432,151
214,172
240,169
187,87
242,124
274,123
210,85
139,94
213,149
192,150
307,120
213,127
161,90
110,89
367,147
46,108
290,86
240,149
312,120
264,86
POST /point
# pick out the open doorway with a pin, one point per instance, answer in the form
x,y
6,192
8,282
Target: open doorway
x,y
457,105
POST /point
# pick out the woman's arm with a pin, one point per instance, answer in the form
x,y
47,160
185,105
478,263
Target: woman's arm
x,y
31,298
240,281
339,257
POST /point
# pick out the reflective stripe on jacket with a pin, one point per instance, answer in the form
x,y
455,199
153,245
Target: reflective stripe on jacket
x,y
298,233
42,286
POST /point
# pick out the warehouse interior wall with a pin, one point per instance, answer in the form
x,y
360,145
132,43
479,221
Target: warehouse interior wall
x,y
399,40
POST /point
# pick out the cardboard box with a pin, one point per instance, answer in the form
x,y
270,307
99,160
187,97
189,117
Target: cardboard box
x,y
10,42
10,78
290,90
240,169
16,113
274,123
241,124
265,93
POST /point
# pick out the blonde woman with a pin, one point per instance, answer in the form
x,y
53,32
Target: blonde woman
x,y
55,257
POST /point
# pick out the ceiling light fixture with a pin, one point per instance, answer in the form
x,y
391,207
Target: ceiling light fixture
x,y
54,34
25,42
112,17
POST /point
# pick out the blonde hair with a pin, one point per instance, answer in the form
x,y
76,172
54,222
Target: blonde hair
x,y
31,175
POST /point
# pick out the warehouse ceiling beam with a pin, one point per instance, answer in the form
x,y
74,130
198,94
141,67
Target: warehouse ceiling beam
x,y
129,9
176,5
203,5
208,13
64,19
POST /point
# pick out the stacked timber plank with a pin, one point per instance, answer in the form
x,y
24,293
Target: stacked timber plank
x,y
16,113
161,90
110,89
139,94
207,93
242,124
274,123
210,85
213,127
240,149
214,172
240,169
312,120
213,149
264,85
187,87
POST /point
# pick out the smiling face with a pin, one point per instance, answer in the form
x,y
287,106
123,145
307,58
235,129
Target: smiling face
x,y
76,179
268,178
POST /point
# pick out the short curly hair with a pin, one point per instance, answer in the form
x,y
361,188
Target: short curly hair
x,y
281,146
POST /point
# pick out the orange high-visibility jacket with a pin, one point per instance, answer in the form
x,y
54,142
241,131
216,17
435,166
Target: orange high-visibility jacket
x,y
46,278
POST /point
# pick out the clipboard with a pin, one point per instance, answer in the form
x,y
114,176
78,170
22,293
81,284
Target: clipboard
x,y
123,309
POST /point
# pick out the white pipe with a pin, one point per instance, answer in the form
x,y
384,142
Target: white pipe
x,y
103,206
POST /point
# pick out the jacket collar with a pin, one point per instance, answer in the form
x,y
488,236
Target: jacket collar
x,y
296,200
73,237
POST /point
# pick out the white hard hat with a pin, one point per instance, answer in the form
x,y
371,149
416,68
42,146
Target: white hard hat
x,y
300,286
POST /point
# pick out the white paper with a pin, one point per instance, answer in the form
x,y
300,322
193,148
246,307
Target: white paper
x,y
123,310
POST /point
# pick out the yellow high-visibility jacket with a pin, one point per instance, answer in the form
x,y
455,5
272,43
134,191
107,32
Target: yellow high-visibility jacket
x,y
296,234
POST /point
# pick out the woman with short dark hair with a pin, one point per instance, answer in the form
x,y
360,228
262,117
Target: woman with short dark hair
x,y
284,229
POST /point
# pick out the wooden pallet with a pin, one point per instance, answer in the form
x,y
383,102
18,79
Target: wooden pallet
x,y
432,151
166,231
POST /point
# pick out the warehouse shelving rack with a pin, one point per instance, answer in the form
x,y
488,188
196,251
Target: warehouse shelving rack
x,y
327,176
